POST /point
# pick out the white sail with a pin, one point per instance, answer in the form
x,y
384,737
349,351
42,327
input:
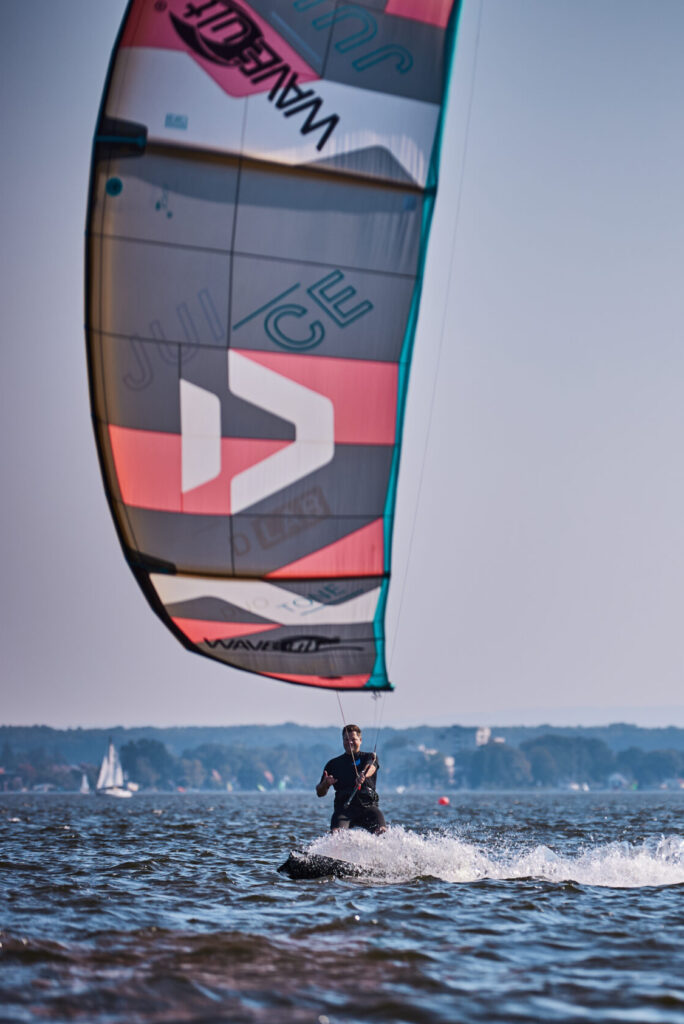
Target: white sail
x,y
85,785
103,779
117,770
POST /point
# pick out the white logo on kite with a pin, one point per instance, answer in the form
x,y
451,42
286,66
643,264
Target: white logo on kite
x,y
311,414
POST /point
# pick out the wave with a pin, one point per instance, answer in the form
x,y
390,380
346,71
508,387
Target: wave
x,y
400,855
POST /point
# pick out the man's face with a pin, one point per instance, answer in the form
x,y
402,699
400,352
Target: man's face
x,y
352,742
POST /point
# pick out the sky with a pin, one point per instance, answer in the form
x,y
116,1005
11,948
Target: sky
x,y
538,570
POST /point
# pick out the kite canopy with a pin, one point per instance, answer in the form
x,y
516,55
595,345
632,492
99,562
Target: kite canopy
x,y
262,184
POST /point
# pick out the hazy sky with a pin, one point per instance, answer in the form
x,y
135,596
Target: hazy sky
x,y
539,548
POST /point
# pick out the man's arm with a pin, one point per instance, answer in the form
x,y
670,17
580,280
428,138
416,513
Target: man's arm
x,y
371,768
326,782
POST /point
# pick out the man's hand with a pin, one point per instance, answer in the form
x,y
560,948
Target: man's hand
x,y
324,785
368,771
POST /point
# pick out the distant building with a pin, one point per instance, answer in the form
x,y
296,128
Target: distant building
x,y
482,736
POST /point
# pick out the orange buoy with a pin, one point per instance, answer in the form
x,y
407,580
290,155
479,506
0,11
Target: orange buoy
x,y
444,801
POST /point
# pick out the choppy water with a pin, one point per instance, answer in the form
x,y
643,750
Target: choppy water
x,y
499,908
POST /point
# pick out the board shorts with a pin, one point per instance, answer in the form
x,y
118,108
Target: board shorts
x,y
370,818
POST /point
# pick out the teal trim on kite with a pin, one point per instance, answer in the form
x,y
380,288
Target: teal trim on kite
x,y
409,336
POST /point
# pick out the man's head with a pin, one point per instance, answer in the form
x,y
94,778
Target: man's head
x,y
351,739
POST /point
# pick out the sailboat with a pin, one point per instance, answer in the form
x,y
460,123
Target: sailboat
x,y
85,785
110,781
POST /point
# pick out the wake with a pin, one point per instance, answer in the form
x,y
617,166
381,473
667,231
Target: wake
x,y
400,855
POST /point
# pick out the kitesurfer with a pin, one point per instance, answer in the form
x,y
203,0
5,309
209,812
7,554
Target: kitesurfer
x,y
353,775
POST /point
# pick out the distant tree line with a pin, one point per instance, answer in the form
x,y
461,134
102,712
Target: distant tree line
x,y
548,760
562,760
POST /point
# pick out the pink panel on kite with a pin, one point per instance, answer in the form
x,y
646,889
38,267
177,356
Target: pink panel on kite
x,y
148,467
200,630
359,554
340,683
237,454
363,393
433,12
154,25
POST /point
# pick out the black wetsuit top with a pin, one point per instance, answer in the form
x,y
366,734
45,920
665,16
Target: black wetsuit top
x,y
345,771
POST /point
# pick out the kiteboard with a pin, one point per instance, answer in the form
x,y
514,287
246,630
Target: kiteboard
x,y
300,865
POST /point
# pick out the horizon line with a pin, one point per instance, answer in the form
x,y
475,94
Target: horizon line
x,y
658,718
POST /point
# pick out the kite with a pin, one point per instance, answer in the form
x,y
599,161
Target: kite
x,y
262,184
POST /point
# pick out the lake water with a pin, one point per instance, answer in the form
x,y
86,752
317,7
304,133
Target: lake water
x,y
499,908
